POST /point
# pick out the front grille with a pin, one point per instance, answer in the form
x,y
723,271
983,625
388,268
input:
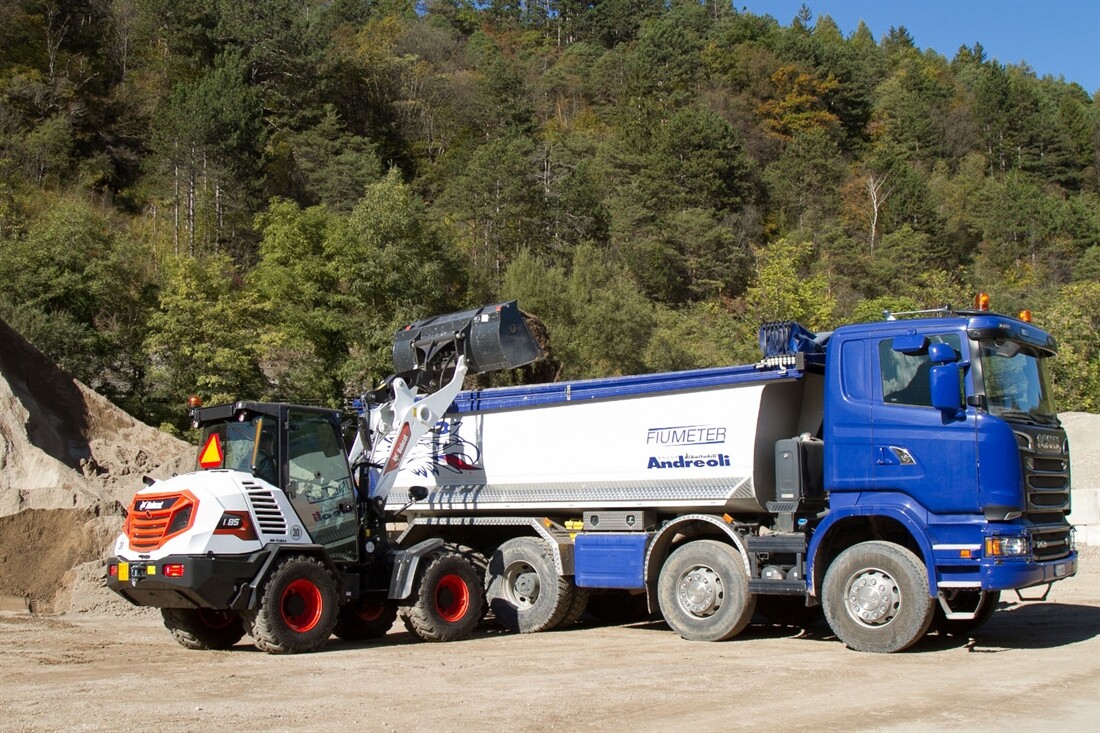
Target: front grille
x,y
1051,542
155,519
1046,473
269,517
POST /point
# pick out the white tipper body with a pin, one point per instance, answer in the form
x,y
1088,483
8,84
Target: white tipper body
x,y
218,491
689,450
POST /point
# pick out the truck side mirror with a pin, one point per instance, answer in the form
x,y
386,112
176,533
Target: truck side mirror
x,y
941,353
946,385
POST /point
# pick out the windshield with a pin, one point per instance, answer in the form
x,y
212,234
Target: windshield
x,y
1017,382
248,446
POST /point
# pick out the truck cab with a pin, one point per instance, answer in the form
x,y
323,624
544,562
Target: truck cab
x,y
941,433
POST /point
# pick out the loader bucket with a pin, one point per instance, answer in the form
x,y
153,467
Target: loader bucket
x,y
491,338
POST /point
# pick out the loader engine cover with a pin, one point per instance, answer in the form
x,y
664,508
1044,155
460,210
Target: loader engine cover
x,y
491,338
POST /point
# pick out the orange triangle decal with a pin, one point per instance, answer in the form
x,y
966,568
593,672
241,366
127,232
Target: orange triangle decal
x,y
211,455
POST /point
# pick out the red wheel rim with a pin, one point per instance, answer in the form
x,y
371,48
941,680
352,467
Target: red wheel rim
x,y
370,611
214,619
452,598
301,605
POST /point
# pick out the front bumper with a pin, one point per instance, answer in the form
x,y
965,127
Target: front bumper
x,y
203,581
1013,574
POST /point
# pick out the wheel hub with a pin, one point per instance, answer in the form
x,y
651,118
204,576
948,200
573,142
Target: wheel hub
x,y
873,598
700,591
522,584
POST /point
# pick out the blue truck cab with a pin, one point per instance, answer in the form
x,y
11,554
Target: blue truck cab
x,y
942,431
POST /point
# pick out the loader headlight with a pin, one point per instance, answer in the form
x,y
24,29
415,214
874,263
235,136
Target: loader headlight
x,y
1007,546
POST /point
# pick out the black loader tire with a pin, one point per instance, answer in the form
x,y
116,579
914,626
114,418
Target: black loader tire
x,y
203,628
297,609
447,601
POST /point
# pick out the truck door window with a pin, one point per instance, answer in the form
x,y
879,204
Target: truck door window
x,y
905,376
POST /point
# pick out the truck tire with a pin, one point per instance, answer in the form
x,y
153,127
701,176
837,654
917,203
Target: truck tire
x,y
578,604
203,628
703,590
447,601
297,608
523,589
365,619
876,597
985,603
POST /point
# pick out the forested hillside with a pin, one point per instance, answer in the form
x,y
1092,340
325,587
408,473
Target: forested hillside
x,y
246,198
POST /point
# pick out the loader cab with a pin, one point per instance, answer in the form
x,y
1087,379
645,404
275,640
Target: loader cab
x,y
290,448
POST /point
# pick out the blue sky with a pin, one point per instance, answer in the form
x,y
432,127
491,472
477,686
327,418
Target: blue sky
x,y
1056,37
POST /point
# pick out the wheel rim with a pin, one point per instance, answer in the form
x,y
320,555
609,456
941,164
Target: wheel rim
x,y
301,605
215,619
700,591
873,598
452,598
521,585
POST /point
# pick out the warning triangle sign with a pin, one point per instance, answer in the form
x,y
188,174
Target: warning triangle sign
x,y
211,455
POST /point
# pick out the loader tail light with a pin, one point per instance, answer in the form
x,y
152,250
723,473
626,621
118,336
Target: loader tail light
x,y
173,570
112,570
236,524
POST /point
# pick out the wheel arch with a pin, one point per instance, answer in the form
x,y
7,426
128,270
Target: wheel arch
x,y
842,530
249,595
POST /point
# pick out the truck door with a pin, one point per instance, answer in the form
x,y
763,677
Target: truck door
x,y
926,453
319,482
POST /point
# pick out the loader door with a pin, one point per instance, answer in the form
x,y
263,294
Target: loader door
x,y
319,482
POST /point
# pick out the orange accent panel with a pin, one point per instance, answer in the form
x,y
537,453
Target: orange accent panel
x,y
156,518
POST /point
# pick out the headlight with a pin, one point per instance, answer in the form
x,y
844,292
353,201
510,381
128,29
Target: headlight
x,y
1007,546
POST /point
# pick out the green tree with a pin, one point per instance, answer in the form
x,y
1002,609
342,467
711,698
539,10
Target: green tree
x,y
201,338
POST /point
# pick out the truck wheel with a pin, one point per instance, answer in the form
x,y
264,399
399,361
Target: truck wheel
x,y
578,604
704,591
365,619
203,628
984,603
524,590
876,597
297,609
447,601
787,611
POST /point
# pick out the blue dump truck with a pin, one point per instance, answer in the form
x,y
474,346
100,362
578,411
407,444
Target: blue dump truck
x,y
893,475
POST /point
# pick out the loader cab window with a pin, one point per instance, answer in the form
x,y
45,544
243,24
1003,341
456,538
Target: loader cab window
x,y
250,446
905,378
319,481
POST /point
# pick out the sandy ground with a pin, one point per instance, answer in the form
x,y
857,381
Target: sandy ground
x,y
1032,667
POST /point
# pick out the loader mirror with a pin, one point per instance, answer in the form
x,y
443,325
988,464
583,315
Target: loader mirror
x,y
418,493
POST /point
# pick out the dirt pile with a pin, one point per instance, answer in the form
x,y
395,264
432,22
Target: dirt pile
x,y
69,463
